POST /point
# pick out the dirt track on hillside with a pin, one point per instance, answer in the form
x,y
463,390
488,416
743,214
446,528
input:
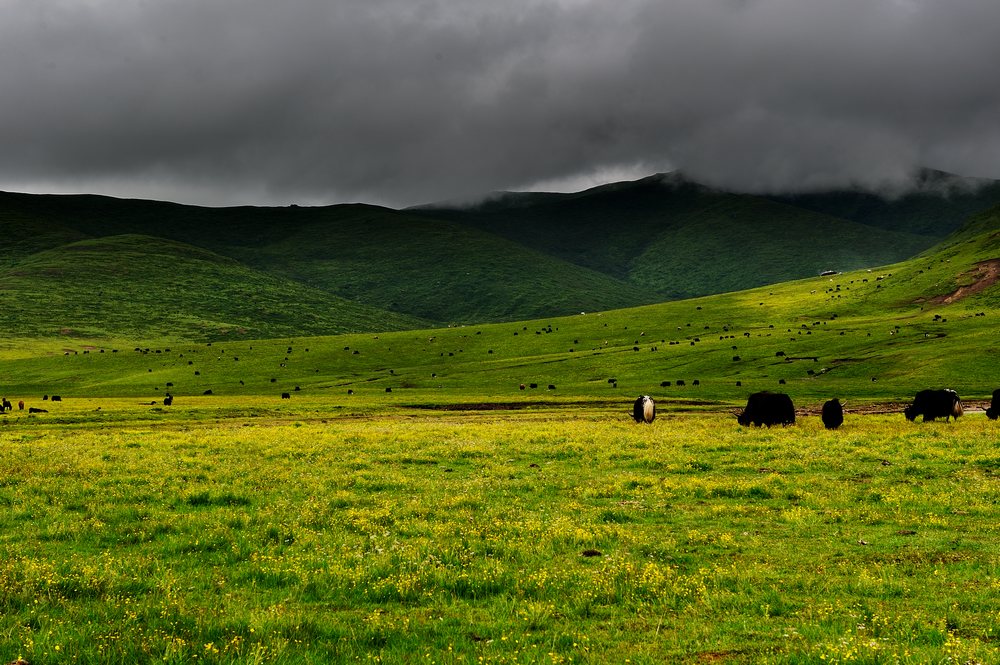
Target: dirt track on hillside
x,y
985,274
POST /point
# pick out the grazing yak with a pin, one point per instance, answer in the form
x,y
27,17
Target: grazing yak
x,y
644,409
833,414
933,404
767,408
994,409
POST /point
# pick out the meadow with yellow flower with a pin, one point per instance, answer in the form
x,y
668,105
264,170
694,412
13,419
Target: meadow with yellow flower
x,y
535,536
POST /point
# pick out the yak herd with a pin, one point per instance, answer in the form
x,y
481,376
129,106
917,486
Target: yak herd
x,y
767,409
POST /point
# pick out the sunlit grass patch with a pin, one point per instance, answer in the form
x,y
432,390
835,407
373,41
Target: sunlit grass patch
x,y
512,538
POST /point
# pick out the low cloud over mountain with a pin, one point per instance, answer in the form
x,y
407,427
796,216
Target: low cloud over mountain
x,y
408,101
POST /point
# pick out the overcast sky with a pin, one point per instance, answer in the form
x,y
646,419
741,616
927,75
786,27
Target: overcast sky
x,y
400,102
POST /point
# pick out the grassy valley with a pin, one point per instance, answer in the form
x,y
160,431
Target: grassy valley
x,y
479,493
442,271
879,334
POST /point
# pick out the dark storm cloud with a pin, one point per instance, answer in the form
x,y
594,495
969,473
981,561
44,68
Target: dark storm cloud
x,y
405,101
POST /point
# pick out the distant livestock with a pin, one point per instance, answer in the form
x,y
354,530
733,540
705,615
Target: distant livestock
x,y
994,409
5,405
32,409
833,414
644,409
932,404
168,399
20,405
286,396
56,398
767,408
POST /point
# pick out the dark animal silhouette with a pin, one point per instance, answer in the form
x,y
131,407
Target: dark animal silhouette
x,y
56,398
286,396
994,411
20,405
32,409
767,408
833,414
168,400
644,409
932,404
6,405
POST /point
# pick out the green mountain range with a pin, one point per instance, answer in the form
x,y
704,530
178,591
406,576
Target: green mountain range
x,y
93,266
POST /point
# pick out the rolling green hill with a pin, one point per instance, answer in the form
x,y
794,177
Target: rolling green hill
x,y
682,239
149,288
877,334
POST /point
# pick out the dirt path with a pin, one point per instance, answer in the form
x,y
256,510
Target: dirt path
x,y
985,274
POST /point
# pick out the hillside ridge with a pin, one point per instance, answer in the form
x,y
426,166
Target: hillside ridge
x,y
513,257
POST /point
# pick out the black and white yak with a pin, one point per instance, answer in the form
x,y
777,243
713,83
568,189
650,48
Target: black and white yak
x,y
644,409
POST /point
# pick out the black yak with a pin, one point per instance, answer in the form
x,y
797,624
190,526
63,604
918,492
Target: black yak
x,y
766,408
644,409
994,409
32,409
833,414
286,396
933,404
168,399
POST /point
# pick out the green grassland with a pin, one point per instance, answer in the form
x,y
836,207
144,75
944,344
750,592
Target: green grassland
x,y
459,518
297,532
876,335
